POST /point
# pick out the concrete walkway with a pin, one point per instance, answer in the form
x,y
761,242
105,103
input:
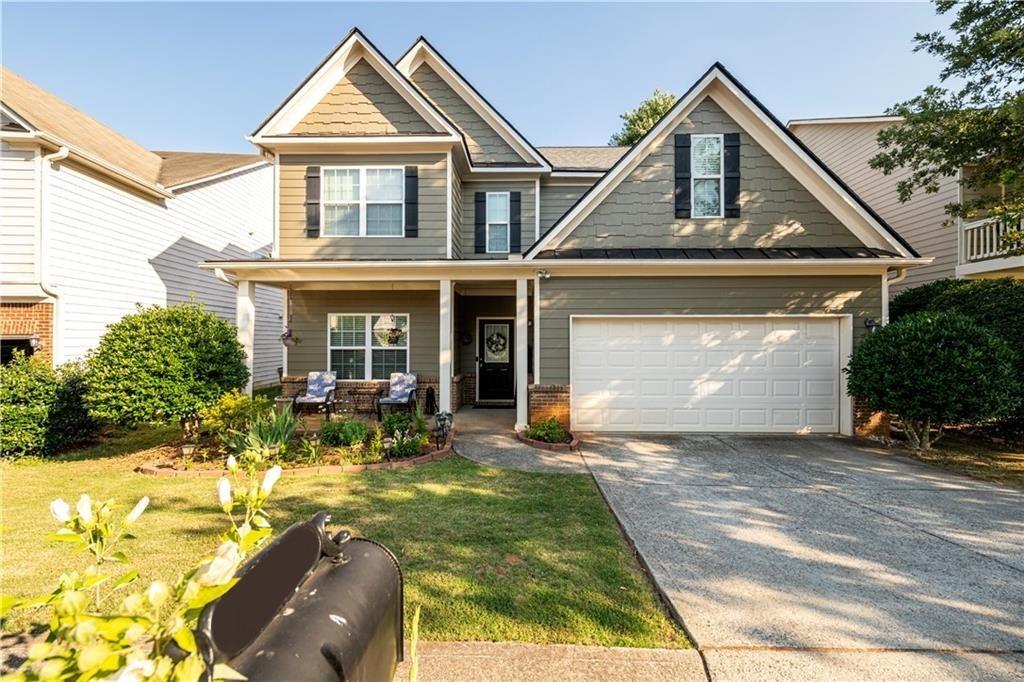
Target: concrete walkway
x,y
822,558
486,436
501,661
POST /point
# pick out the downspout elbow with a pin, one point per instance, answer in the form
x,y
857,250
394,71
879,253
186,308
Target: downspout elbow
x,y
222,276
61,154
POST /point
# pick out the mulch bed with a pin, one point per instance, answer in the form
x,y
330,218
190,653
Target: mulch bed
x,y
572,444
168,463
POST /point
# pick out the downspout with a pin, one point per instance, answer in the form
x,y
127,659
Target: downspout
x,y
901,274
44,283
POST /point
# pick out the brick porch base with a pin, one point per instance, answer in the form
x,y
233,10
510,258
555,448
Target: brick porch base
x,y
24,320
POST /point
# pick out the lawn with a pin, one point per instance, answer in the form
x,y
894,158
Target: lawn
x,y
976,456
490,554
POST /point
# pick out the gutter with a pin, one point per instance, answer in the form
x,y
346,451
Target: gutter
x,y
45,167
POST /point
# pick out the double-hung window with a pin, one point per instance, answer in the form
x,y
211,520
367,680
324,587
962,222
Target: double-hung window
x,y
706,172
497,222
368,346
363,202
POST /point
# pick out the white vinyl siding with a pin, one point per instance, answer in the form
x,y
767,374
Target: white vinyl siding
x,y
17,215
110,249
663,374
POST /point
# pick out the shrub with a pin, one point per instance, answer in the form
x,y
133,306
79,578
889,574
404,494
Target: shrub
x,y
375,452
396,421
407,444
910,301
548,430
345,433
164,363
234,411
41,409
932,369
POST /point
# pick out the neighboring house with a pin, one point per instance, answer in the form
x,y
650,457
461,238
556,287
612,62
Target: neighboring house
x,y
715,276
93,224
959,249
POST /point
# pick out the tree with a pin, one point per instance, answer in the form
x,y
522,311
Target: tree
x,y
637,122
977,125
164,363
933,369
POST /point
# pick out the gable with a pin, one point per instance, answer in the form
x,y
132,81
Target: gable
x,y
484,143
776,210
362,103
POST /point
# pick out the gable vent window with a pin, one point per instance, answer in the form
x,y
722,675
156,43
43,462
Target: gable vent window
x,y
706,165
363,202
498,222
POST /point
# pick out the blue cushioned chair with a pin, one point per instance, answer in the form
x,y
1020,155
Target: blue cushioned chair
x,y
320,387
401,392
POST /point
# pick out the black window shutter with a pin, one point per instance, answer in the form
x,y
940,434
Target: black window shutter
x,y
682,175
480,223
313,201
412,201
732,175
515,219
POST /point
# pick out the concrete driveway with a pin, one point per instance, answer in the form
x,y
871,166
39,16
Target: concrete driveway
x,y
821,557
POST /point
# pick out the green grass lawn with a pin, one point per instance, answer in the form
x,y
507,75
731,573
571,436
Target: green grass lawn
x,y
490,554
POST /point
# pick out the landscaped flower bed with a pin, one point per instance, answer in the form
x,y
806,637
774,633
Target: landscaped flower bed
x,y
549,434
250,429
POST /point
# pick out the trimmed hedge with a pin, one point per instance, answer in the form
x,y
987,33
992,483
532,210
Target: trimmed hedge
x,y
161,364
42,410
920,298
932,369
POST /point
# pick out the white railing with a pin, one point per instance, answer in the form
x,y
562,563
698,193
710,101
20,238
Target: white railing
x,y
983,239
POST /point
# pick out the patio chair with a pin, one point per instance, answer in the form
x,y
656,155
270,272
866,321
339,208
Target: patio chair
x,y
320,387
401,393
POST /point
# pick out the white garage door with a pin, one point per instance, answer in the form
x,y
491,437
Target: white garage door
x,y
705,374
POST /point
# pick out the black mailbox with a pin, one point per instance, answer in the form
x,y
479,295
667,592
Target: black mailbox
x,y
310,607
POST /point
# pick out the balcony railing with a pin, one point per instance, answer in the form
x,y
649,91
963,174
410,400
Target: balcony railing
x,y
984,239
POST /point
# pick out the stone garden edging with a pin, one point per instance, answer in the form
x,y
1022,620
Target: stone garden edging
x,y
444,451
573,444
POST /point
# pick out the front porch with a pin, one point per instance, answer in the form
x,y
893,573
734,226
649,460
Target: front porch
x,y
469,342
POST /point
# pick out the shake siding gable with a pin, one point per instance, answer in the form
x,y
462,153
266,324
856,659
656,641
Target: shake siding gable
x,y
555,200
484,143
775,209
922,221
362,103
860,296
430,242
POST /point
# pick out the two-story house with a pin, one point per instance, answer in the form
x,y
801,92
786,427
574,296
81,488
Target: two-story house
x,y
92,224
971,249
714,276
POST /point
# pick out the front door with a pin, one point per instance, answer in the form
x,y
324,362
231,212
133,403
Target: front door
x,y
495,342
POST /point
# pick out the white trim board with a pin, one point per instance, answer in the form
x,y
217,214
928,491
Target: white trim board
x,y
721,88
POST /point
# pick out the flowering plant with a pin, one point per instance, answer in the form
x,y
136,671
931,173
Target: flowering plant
x,y
90,638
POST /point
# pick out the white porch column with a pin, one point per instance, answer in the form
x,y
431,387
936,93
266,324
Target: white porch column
x,y
522,354
245,320
444,373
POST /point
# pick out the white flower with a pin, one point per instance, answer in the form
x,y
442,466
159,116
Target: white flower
x,y
61,510
135,513
232,464
157,593
135,671
221,568
84,508
270,478
224,492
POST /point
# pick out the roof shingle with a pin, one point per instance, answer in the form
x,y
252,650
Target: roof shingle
x,y
582,158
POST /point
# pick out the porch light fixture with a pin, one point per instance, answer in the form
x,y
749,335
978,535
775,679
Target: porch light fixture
x,y
35,343
871,324
543,274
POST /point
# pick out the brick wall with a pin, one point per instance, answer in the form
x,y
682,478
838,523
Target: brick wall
x,y
549,400
21,320
457,389
469,388
868,422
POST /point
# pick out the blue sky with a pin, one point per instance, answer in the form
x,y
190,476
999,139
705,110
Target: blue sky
x,y
201,76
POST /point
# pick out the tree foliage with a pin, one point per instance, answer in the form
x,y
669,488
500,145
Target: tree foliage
x,y
933,369
976,124
637,122
164,363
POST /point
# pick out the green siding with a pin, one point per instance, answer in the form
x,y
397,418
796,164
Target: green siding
x,y
775,209
309,321
860,296
555,200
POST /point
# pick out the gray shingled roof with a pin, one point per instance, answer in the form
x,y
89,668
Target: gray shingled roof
x,y
582,158
788,253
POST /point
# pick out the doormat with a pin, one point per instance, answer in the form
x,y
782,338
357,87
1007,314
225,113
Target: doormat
x,y
494,407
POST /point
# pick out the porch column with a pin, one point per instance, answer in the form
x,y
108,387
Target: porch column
x,y
444,373
522,355
245,320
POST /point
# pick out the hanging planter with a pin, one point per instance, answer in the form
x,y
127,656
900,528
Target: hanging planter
x,y
289,339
